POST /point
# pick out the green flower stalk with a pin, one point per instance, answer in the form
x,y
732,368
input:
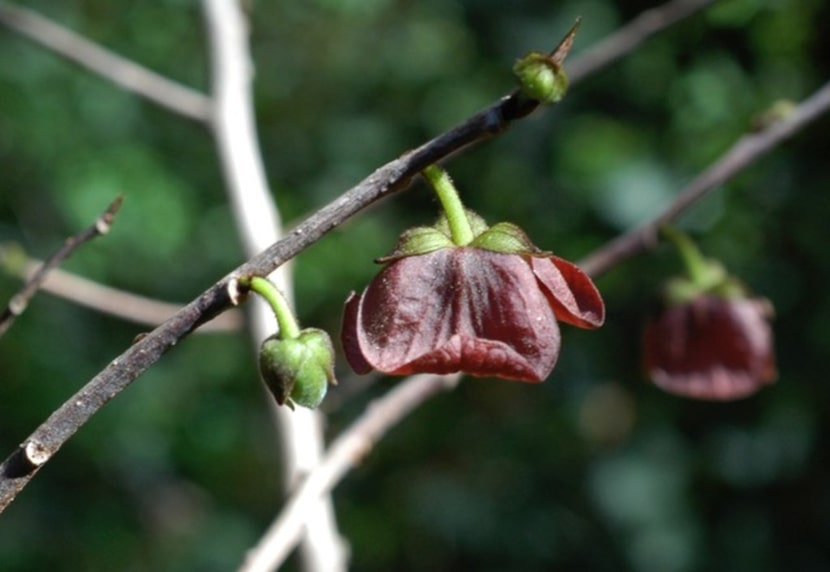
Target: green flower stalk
x,y
459,225
270,293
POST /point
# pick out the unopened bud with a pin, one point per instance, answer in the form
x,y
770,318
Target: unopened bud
x,y
541,78
298,370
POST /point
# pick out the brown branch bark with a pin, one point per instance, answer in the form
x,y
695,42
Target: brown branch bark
x,y
19,302
18,469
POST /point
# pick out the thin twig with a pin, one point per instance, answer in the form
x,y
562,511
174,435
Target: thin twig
x,y
258,221
743,153
117,69
20,301
345,452
631,36
108,300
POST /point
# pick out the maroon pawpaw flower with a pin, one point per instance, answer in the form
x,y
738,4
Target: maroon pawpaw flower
x,y
488,308
713,341
711,347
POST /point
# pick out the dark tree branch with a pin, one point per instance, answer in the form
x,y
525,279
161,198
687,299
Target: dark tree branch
x,y
20,301
18,469
121,71
743,153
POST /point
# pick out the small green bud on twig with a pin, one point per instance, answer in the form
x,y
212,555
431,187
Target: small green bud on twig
x,y
298,370
541,76
296,364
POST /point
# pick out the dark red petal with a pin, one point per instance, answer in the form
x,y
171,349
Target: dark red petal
x,y
348,336
716,384
571,292
456,309
711,348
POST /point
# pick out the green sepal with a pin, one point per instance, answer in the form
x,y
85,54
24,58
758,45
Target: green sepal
x,y
507,238
713,281
426,239
298,370
477,223
541,78
418,240
731,288
703,275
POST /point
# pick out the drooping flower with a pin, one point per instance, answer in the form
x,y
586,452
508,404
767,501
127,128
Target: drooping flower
x,y
712,340
487,308
711,348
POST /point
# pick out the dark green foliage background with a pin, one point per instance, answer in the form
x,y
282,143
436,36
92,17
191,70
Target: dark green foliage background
x,y
594,469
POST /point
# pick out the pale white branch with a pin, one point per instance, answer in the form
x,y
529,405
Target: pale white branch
x,y
118,303
345,453
117,69
258,221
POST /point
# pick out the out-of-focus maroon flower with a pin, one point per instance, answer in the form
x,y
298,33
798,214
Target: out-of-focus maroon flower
x,y
712,341
489,308
711,348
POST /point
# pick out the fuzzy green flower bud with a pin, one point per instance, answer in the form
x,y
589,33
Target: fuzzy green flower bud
x,y
298,370
541,78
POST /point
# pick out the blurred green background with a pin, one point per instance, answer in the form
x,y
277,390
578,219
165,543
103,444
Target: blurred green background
x,y
594,469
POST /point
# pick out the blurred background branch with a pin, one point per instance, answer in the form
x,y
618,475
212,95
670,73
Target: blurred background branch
x,y
746,150
19,301
104,299
121,71
632,35
344,453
